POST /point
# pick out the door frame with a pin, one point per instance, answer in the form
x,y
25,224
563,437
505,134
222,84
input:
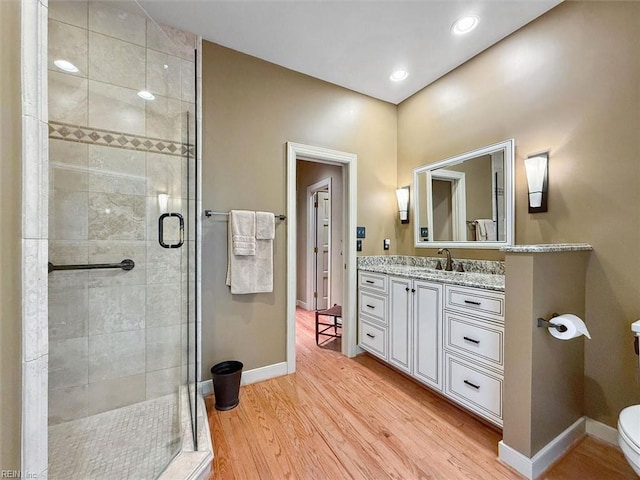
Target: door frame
x,y
349,162
458,201
311,190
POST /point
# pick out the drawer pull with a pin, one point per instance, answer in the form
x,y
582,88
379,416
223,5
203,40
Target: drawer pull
x,y
477,387
371,306
370,281
370,336
471,302
477,342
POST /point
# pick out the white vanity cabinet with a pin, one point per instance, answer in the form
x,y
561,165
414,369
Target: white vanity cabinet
x,y
474,350
449,337
415,329
373,326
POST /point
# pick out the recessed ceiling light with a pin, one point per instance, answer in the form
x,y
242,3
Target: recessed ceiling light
x,y
66,66
464,25
399,75
146,95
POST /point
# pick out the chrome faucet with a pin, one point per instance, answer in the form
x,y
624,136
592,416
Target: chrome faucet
x,y
449,266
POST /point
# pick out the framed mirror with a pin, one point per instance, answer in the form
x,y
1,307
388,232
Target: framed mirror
x,y
466,201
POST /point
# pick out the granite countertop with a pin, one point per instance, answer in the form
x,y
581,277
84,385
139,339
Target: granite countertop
x,y
485,281
548,248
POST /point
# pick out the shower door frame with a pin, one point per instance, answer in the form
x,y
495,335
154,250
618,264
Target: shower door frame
x,y
35,236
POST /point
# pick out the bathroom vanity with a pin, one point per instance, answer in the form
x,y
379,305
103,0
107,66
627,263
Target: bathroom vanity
x,y
444,329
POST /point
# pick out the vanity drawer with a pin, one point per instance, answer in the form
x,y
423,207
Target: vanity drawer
x,y
373,306
373,339
373,281
476,301
474,387
479,339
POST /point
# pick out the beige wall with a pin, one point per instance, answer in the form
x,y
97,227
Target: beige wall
x,y
566,83
543,385
310,173
251,109
10,236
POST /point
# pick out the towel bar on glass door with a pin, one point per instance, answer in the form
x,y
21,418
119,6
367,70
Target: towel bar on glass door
x,y
208,213
126,264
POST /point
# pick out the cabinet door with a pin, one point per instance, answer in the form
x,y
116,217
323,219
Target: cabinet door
x,y
427,311
400,323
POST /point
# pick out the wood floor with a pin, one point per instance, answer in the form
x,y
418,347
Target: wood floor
x,y
339,418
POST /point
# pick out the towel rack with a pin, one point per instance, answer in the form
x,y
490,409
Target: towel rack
x,y
209,213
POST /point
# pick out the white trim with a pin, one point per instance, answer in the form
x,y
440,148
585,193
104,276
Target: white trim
x,y
602,432
34,252
549,454
301,304
350,190
458,201
311,189
251,376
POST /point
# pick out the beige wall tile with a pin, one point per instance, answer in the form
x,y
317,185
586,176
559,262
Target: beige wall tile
x,y
67,98
163,305
68,404
164,74
116,309
163,347
116,62
163,265
116,355
73,12
123,20
116,170
70,43
68,215
164,118
116,108
163,382
68,362
116,393
113,216
68,313
100,251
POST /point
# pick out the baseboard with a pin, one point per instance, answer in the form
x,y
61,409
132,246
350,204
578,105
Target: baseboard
x,y
251,376
602,432
534,467
302,304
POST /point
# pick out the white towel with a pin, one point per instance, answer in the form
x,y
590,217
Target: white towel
x,y
242,224
250,273
265,226
485,230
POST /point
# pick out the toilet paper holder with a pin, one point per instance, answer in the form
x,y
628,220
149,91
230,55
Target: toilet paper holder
x,y
547,324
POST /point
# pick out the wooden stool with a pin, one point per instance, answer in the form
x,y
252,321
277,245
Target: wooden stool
x,y
336,313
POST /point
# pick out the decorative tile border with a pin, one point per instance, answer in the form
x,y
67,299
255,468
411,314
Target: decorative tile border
x,y
110,138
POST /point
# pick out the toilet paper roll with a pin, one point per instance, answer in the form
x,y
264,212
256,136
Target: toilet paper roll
x,y
575,327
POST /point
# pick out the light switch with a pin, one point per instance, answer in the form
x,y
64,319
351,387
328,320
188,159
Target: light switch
x,y
358,245
360,232
387,243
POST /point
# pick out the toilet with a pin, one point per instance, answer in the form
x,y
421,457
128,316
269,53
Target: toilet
x,y
629,426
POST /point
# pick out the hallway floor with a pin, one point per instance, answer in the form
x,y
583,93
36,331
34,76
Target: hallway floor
x,y
356,418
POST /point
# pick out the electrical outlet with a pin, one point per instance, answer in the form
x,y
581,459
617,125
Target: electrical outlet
x,y
358,245
424,233
360,232
386,244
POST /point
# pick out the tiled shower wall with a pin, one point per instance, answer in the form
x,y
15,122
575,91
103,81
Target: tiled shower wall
x,y
116,337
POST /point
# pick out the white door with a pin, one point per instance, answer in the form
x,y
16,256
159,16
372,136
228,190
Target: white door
x,y
400,323
322,209
427,311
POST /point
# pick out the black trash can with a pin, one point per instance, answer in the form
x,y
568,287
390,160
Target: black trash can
x,y
226,384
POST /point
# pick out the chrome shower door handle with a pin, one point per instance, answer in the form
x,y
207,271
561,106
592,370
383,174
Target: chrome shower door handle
x,y
161,230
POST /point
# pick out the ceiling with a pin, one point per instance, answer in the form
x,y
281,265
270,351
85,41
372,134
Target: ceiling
x,y
356,44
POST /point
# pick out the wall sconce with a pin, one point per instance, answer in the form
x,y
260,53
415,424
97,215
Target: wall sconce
x,y
403,203
537,169
163,202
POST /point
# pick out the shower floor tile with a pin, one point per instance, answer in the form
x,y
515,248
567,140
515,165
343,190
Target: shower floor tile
x,y
134,442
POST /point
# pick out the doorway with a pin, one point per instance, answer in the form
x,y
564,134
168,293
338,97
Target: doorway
x,y
343,257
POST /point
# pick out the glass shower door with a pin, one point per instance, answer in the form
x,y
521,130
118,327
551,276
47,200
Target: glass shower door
x,y
121,156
